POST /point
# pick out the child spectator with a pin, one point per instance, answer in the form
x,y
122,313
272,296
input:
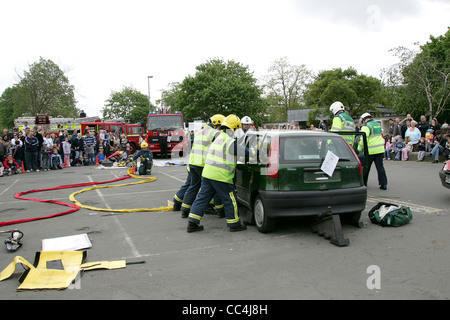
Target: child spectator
x,y
10,165
89,142
388,147
100,156
429,138
398,146
46,152
407,149
66,150
422,149
55,160
78,161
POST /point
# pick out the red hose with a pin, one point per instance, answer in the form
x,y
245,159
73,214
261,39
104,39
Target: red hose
x,y
70,205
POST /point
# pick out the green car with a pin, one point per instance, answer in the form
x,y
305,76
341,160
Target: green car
x,y
284,177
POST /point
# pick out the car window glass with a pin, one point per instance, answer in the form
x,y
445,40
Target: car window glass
x,y
313,148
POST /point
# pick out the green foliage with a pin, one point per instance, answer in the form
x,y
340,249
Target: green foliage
x,y
358,92
44,88
128,104
218,86
419,83
284,86
48,90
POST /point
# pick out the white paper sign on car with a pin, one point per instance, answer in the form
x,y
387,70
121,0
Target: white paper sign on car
x,y
330,163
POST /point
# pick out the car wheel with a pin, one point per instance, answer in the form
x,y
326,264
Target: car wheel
x,y
351,218
263,223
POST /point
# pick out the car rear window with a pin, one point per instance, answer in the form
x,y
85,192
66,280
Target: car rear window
x,y
301,148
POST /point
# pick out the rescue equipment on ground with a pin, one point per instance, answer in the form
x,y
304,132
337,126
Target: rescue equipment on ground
x,y
56,270
13,242
390,215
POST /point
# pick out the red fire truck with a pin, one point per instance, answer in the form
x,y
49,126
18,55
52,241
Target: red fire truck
x,y
132,131
173,123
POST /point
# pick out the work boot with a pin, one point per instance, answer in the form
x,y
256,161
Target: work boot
x,y
192,227
176,205
240,227
184,214
210,209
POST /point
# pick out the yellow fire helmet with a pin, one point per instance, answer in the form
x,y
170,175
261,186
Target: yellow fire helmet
x,y
217,119
144,145
232,122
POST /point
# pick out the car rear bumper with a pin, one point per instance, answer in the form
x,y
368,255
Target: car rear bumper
x,y
309,203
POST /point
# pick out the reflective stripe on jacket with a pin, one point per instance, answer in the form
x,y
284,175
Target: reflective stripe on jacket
x,y
344,123
200,147
220,164
375,141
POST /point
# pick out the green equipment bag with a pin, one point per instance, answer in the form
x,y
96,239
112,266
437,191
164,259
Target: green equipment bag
x,y
393,218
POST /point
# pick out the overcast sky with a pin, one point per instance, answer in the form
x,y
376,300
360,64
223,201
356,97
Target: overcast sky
x,y
106,45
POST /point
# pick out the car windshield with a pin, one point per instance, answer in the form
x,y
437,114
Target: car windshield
x,y
169,122
312,148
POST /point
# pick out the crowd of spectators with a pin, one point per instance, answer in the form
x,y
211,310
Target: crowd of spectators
x,y
32,150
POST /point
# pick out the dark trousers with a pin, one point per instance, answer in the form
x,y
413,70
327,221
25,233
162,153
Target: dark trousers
x,y
179,196
226,193
163,146
194,187
378,159
31,160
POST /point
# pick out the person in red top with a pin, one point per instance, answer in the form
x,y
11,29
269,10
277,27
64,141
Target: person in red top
x,y
11,166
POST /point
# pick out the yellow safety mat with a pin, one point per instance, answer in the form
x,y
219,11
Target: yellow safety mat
x,y
55,270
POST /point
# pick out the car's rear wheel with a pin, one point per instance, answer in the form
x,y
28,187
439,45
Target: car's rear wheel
x,y
263,223
351,218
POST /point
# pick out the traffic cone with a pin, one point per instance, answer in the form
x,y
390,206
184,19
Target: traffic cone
x,y
23,168
66,165
96,161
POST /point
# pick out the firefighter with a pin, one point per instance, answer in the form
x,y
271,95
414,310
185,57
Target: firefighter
x,y
246,123
146,156
217,178
342,122
202,140
375,144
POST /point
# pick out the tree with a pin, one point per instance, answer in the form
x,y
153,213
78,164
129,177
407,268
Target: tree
x,y
421,79
128,104
218,86
284,87
48,90
358,92
12,105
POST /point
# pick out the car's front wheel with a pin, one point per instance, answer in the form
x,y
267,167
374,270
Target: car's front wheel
x,y
263,223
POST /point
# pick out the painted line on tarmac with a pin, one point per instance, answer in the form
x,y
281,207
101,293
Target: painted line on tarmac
x,y
172,176
125,234
10,186
412,206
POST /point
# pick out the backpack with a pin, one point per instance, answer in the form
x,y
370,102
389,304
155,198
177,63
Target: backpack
x,y
390,215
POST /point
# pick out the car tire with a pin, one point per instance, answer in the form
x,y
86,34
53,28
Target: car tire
x,y
351,218
263,223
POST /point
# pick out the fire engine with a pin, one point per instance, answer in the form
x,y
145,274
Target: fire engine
x,y
173,123
132,131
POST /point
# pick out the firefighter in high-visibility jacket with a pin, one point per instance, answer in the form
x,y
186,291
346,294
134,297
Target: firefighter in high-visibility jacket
x,y
342,122
217,178
375,144
202,141
146,157
178,198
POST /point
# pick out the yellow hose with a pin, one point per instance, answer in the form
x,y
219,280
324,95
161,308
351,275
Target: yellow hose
x,y
144,180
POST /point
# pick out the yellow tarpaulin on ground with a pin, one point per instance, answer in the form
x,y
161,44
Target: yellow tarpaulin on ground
x,y
55,270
